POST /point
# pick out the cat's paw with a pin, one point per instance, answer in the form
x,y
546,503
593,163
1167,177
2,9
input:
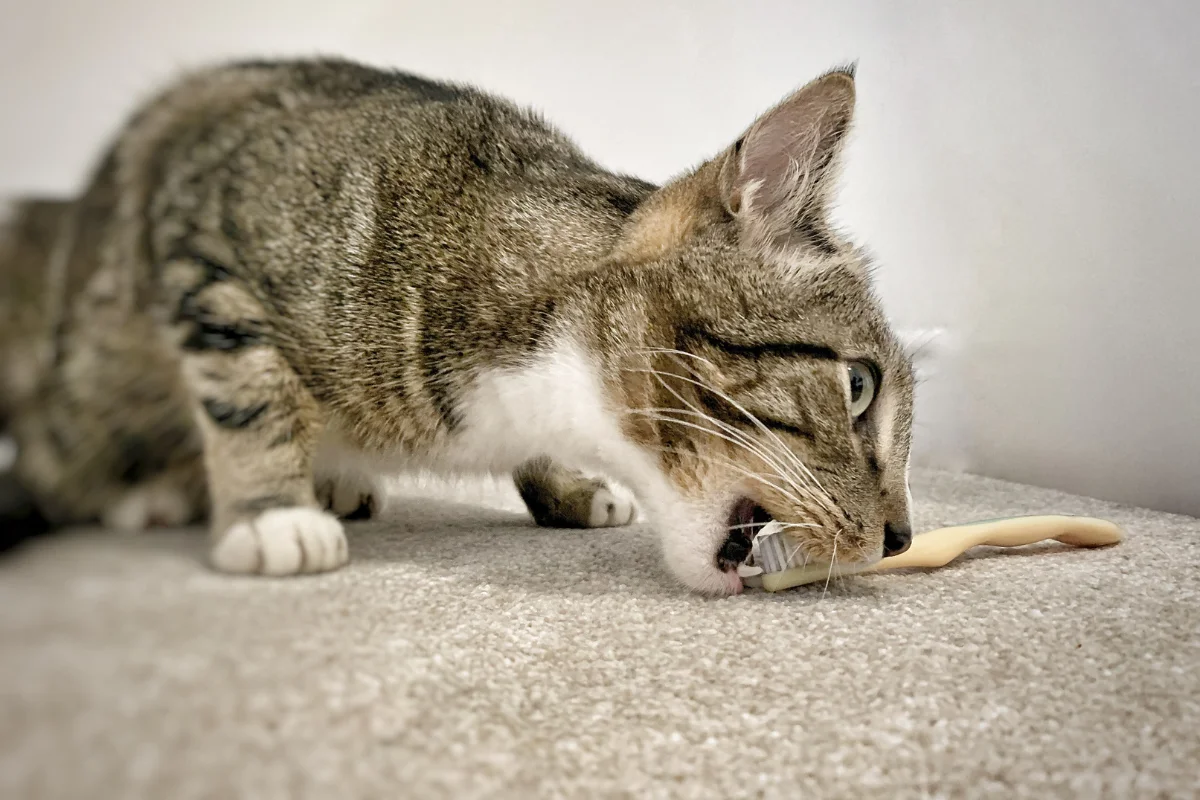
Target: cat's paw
x,y
148,506
350,497
611,508
574,500
282,541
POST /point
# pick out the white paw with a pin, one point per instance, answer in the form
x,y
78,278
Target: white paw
x,y
611,508
147,506
282,541
350,497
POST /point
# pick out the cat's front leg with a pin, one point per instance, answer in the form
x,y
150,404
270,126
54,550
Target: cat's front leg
x,y
260,428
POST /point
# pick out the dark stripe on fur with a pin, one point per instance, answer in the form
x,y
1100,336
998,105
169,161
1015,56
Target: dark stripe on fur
x,y
815,235
730,415
539,321
230,416
435,372
284,438
624,203
780,349
212,270
134,456
873,465
439,390
209,331
207,334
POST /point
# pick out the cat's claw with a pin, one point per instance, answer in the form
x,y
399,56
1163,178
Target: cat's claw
x,y
282,541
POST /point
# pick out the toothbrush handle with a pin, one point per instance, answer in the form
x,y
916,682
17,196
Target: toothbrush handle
x,y
940,547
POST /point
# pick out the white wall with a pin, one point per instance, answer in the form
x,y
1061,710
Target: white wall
x,y
1024,171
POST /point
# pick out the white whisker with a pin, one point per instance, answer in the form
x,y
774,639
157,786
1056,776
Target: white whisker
x,y
745,411
832,561
789,475
749,415
742,441
784,525
752,475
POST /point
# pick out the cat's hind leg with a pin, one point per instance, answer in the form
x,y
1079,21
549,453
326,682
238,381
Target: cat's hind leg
x,y
260,428
559,497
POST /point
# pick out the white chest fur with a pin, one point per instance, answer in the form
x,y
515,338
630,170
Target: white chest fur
x,y
555,407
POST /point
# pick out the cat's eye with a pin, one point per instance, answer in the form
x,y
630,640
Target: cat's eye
x,y
862,387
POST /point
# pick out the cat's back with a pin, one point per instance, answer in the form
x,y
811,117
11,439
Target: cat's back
x,y
307,132
347,105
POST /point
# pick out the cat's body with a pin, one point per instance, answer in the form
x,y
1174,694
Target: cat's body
x,y
314,273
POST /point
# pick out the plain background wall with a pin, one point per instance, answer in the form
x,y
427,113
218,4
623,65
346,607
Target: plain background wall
x,y
1025,172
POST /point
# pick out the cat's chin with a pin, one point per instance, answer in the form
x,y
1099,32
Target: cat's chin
x,y
705,556
692,551
715,582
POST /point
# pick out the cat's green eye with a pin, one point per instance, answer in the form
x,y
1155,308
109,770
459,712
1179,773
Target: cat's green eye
x,y
862,387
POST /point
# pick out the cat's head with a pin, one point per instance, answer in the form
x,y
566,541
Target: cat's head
x,y
771,385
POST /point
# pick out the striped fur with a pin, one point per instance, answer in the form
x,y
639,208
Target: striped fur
x,y
288,278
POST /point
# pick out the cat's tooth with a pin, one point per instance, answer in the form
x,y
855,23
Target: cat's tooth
x,y
748,571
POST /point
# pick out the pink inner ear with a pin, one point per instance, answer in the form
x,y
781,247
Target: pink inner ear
x,y
794,140
770,151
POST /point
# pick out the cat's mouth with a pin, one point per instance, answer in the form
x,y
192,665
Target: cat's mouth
x,y
746,518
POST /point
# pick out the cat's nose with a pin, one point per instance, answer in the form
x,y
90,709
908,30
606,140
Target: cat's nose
x,y
896,538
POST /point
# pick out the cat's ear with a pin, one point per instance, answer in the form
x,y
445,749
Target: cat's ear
x,y
778,177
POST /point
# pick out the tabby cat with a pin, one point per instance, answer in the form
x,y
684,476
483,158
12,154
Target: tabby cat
x,y
287,279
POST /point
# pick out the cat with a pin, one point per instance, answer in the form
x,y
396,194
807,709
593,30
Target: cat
x,y
287,279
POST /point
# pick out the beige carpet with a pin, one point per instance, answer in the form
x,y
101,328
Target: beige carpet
x,y
465,653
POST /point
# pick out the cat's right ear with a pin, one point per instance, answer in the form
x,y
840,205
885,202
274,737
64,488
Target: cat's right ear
x,y
777,178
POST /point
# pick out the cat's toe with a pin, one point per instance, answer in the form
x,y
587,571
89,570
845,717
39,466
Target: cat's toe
x,y
350,499
282,541
611,508
147,506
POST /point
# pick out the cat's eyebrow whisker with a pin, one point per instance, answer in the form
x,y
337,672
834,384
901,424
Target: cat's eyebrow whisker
x,y
660,416
661,377
746,412
785,525
757,477
754,476
754,419
743,441
749,415
670,351
747,473
746,442
788,474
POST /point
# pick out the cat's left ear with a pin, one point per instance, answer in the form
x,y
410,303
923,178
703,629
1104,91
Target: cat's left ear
x,y
777,178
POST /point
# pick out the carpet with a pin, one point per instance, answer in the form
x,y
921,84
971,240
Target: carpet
x,y
465,653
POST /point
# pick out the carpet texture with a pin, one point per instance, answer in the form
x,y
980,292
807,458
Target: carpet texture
x,y
465,653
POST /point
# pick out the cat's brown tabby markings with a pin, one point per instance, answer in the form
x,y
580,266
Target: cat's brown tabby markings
x,y
288,279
